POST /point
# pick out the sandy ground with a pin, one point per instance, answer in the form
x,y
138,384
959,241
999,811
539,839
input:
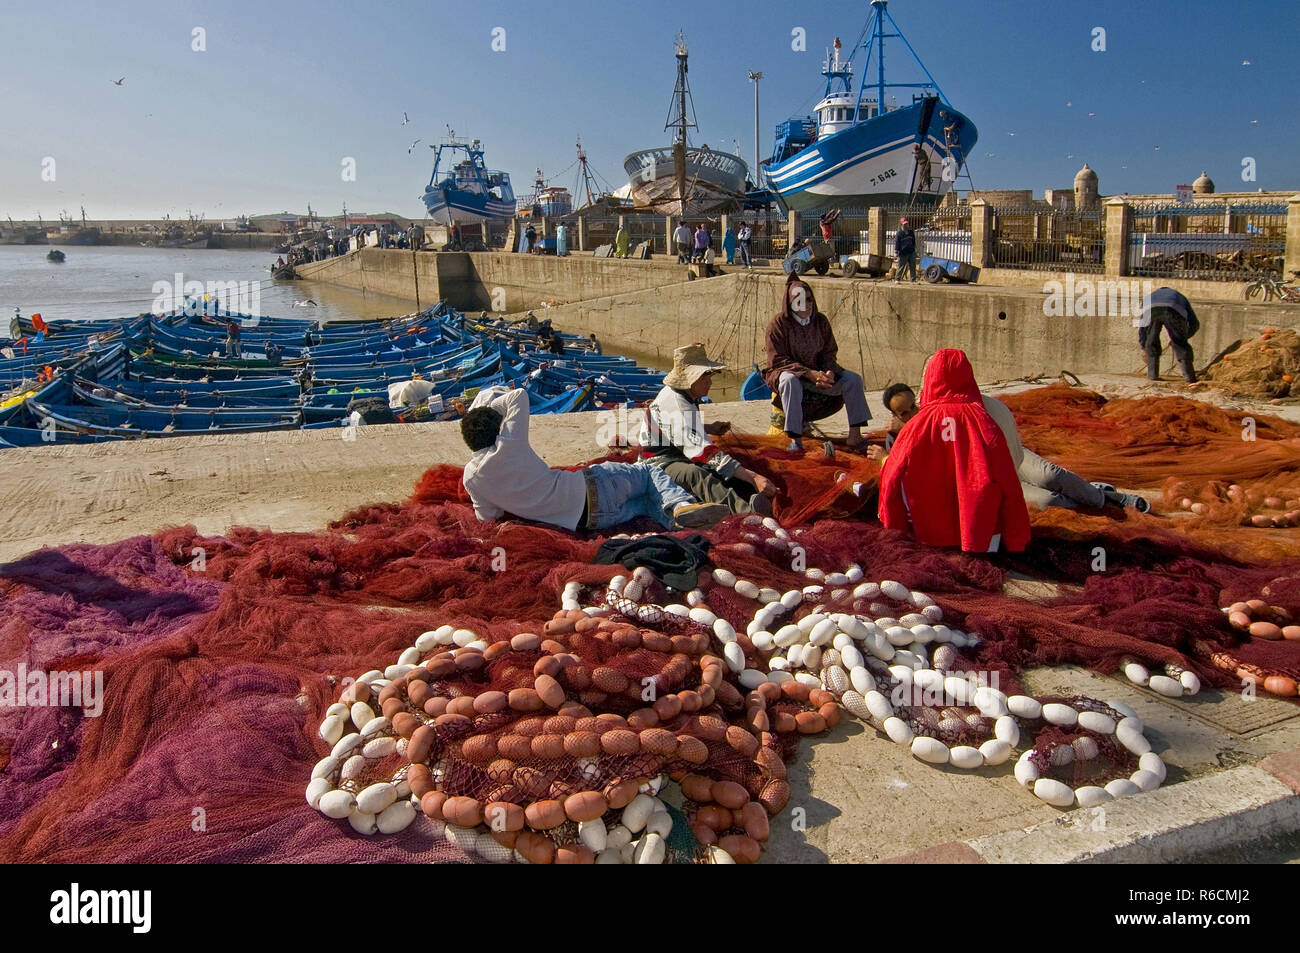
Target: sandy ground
x,y
284,480
860,798
301,479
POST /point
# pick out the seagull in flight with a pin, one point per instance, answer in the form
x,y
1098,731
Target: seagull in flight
x,y
1254,122
412,146
1157,148
303,304
404,119
1069,104
1245,62
991,155
119,82
1090,115
1011,134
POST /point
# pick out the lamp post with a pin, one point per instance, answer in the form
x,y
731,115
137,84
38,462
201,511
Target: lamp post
x,y
758,179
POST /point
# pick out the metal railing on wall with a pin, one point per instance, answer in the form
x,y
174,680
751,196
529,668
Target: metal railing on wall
x,y
954,246
943,231
602,229
768,234
1051,239
1216,241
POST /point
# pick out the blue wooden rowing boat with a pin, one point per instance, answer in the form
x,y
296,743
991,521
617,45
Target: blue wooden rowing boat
x,y
204,340
130,422
101,395
15,436
164,391
754,387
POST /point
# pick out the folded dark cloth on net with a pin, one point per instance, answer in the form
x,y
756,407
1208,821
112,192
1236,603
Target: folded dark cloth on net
x,y
674,561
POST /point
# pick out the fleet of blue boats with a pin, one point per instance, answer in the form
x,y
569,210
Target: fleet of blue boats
x,y
166,375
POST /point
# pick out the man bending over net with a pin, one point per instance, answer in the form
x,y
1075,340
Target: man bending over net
x,y
506,475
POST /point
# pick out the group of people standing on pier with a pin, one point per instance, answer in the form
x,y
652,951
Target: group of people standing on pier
x,y
696,244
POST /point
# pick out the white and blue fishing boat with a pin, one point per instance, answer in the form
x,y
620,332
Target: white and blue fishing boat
x,y
864,148
468,192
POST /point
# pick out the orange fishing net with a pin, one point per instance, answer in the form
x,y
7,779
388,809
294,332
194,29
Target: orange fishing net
x,y
230,685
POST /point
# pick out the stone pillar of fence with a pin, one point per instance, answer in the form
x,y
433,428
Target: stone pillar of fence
x,y
981,234
791,229
876,230
1118,223
487,238
1291,257
669,228
582,233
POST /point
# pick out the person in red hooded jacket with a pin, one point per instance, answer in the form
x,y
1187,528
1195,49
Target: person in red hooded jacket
x,y
949,478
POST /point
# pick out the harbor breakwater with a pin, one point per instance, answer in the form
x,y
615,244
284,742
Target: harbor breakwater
x,y
885,331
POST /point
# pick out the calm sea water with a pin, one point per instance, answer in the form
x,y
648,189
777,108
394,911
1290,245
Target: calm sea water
x,y
112,281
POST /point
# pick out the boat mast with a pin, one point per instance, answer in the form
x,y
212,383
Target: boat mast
x,y
584,174
684,118
879,39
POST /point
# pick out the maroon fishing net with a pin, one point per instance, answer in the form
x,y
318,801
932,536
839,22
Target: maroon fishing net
x,y
446,689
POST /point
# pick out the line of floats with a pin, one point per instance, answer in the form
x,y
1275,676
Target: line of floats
x,y
165,376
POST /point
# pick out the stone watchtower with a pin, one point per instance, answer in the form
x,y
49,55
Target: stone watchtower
x,y
1203,185
1085,188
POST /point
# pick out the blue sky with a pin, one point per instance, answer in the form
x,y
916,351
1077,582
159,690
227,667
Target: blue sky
x,y
262,119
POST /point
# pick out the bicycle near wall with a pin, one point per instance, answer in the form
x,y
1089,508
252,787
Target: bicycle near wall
x,y
1269,287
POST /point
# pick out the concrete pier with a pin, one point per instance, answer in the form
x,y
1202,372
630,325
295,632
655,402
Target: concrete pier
x,y
885,330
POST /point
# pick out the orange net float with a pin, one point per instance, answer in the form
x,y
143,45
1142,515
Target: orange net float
x,y
556,747
545,762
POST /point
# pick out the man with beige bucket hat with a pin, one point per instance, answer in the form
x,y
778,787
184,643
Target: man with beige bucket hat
x,y
675,438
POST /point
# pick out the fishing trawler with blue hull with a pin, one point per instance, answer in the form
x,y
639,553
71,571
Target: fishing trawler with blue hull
x,y
864,149
468,192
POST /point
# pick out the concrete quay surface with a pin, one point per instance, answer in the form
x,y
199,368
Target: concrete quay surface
x,y
1234,771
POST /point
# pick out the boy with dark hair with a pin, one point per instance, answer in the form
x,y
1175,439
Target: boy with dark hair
x,y
900,401
506,475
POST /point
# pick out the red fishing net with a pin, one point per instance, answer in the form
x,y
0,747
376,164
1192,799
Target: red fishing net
x,y
410,668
